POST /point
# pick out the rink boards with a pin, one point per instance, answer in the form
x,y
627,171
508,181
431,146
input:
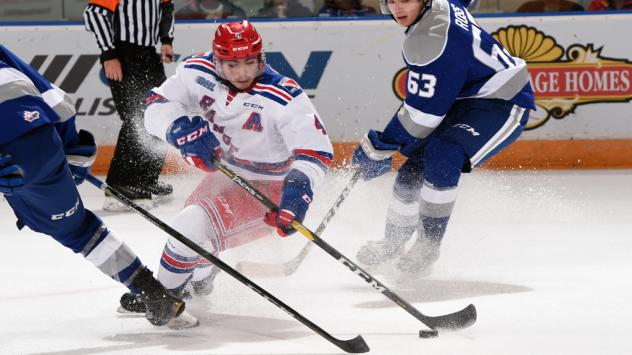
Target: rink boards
x,y
580,69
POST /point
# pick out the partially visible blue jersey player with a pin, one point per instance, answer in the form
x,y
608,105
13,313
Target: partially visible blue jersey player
x,y
42,158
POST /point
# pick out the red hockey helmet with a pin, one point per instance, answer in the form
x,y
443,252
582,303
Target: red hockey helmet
x,y
237,40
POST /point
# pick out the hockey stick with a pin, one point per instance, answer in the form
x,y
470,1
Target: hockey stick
x,y
457,320
355,345
289,267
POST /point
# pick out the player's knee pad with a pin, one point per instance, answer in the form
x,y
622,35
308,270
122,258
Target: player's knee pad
x,y
443,162
193,223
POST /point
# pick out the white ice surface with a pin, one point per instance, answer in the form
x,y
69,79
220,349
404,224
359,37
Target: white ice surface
x,y
546,257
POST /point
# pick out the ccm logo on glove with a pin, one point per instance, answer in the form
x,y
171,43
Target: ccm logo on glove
x,y
196,142
193,135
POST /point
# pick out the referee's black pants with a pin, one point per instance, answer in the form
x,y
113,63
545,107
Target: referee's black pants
x,y
138,156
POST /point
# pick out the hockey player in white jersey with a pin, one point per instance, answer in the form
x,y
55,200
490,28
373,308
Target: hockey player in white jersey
x,y
229,103
467,98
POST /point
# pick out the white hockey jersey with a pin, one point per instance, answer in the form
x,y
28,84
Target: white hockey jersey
x,y
264,132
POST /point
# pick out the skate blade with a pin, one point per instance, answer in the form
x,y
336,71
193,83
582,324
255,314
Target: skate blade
x,y
124,313
111,204
183,321
161,199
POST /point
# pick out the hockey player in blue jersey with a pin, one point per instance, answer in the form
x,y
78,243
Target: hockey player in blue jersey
x,y
467,98
42,157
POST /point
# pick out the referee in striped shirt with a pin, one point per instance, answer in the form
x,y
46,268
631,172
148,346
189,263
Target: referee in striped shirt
x,y
127,32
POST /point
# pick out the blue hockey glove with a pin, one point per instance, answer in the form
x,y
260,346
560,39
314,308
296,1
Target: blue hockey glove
x,y
373,157
295,199
196,142
11,175
81,156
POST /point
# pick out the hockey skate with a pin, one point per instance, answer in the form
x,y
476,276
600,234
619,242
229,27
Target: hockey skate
x,y
160,306
161,193
378,252
203,287
140,196
418,261
183,321
132,306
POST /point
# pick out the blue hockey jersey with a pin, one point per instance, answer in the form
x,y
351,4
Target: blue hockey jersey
x,y
450,57
28,100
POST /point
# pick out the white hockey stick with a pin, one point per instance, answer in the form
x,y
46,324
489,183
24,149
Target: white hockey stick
x,y
269,270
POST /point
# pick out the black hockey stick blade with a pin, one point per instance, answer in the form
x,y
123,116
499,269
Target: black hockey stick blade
x,y
453,321
354,346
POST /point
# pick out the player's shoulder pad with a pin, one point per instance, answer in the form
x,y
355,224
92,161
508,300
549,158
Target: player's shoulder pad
x,y
426,40
277,87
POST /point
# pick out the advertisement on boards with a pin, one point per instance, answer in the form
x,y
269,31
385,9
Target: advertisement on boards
x,y
353,70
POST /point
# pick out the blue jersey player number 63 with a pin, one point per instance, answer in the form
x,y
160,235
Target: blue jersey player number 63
x,y
422,85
